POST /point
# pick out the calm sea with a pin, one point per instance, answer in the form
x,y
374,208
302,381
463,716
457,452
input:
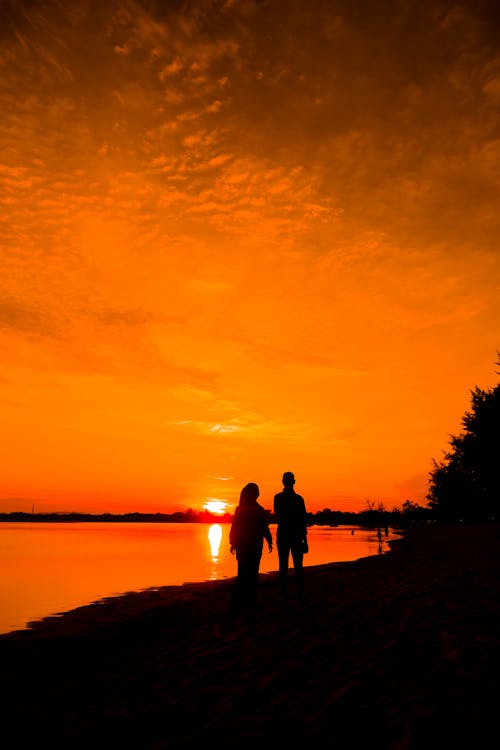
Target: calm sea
x,y
49,568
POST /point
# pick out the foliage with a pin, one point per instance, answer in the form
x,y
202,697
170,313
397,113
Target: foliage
x,y
465,485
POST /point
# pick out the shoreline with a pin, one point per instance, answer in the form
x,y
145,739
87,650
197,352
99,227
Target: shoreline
x,y
395,651
48,573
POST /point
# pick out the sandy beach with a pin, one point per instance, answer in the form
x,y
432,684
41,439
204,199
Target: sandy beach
x,y
396,651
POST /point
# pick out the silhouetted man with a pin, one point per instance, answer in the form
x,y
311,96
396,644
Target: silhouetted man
x,y
291,535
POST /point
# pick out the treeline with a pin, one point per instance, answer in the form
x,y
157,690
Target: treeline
x,y
189,516
371,517
465,485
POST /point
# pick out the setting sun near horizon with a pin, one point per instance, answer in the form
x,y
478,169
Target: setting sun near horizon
x,y
217,507
243,238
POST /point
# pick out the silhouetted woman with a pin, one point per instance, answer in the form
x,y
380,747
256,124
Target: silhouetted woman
x,y
246,538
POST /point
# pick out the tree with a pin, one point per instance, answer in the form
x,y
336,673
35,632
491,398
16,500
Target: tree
x,y
465,485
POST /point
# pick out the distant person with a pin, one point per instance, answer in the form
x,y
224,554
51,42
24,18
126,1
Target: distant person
x,y
291,535
249,529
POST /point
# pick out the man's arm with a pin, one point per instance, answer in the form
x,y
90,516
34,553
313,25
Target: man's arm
x,y
305,518
268,537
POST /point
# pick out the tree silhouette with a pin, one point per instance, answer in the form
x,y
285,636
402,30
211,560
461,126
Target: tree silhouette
x,y
465,486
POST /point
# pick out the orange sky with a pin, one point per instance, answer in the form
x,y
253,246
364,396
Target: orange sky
x,y
241,238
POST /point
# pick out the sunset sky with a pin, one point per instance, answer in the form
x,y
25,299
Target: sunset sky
x,y
241,238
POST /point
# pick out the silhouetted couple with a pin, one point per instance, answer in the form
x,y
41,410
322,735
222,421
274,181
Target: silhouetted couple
x,y
249,530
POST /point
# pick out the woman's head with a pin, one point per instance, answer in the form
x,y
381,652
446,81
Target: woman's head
x,y
249,493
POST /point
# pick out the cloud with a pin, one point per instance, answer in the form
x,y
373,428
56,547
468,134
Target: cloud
x,y
22,318
128,318
250,428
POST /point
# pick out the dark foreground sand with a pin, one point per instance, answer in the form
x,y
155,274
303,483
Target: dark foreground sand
x,y
396,651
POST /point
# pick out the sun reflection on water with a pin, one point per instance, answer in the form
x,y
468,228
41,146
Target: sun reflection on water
x,y
214,540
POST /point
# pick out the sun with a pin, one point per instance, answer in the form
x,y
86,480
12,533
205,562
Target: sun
x,y
218,507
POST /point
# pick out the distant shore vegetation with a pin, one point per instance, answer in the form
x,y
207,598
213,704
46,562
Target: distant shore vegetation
x,y
375,515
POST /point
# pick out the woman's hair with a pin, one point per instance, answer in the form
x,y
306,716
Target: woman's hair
x,y
249,493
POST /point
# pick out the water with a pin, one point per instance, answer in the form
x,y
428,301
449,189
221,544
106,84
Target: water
x,y
49,568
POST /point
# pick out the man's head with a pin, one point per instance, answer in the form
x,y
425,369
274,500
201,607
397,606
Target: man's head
x,y
288,479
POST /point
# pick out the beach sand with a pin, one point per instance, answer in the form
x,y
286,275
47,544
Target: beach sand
x,y
396,651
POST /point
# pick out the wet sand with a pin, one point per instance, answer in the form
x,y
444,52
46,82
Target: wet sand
x,y
396,651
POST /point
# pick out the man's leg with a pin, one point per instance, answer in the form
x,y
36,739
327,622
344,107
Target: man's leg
x,y
283,554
